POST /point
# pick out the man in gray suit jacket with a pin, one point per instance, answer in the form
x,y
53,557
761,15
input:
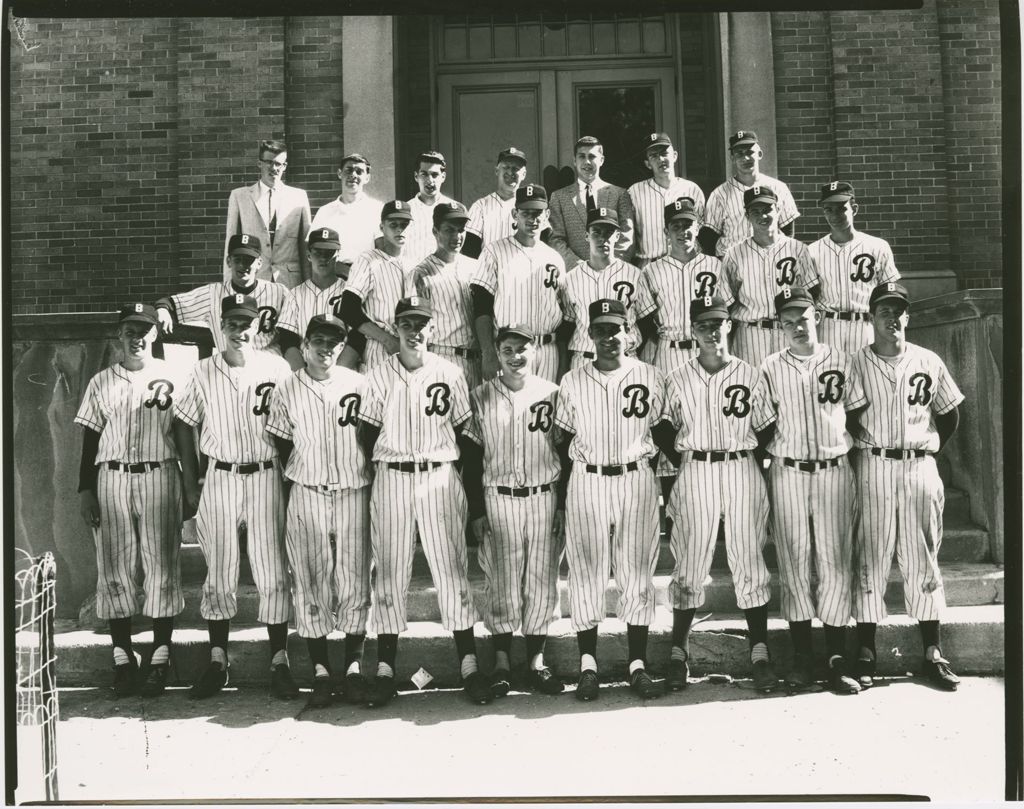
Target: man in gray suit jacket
x,y
275,213
569,207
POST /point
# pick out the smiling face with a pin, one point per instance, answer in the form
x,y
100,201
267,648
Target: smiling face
x,y
429,177
354,176
682,234
414,331
136,339
889,321
321,351
451,235
510,174
711,334
530,221
239,330
746,159
243,269
661,160
601,238
800,327
763,216
839,215
588,160
515,355
394,231
272,166
610,339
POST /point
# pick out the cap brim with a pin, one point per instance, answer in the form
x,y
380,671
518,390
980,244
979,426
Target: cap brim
x,y
244,251
252,314
795,304
532,205
397,215
744,142
514,158
324,328
610,222
452,217
890,296
504,333
608,319
416,313
325,245
755,200
137,318
692,217
657,145
711,314
843,196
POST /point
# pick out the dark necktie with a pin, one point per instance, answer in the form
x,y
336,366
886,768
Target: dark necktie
x,y
591,202
273,215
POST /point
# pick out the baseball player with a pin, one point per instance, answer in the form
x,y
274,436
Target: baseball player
x,y
413,415
710,403
319,295
911,412
354,215
611,413
800,415
517,505
651,196
130,492
725,220
517,282
492,217
201,306
375,285
444,277
603,276
756,269
848,265
228,400
313,419
430,174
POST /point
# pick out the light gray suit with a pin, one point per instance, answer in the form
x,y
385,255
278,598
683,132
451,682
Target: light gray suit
x,y
569,222
286,261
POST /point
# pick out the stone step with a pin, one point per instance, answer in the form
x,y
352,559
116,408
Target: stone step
x,y
973,639
966,584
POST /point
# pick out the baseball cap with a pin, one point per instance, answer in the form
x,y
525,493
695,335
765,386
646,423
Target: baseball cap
x,y
710,307
139,313
602,216
239,304
414,306
512,153
742,137
682,208
450,212
888,291
242,244
326,323
396,209
325,238
532,196
759,193
792,298
657,139
836,191
514,330
607,310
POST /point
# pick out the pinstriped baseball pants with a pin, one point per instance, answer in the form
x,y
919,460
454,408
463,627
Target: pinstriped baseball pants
x,y
470,365
753,344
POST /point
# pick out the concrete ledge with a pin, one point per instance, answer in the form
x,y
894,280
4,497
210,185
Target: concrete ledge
x,y
951,307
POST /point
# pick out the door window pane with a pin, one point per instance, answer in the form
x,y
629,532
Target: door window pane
x,y
654,36
621,118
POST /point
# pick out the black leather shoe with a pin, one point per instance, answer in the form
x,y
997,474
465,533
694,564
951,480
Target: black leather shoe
x,y
126,677
801,675
282,686
477,688
587,688
940,674
156,680
864,670
765,678
839,679
356,688
381,692
543,681
676,678
212,680
322,694
500,683
641,684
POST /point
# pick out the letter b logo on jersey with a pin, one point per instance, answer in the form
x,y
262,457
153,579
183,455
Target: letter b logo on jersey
x,y
705,284
550,276
439,397
624,292
787,271
638,401
348,405
921,389
541,417
737,401
263,395
864,267
268,319
832,385
162,390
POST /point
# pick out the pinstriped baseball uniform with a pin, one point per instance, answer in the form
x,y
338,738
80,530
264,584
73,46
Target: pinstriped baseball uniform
x,y
520,560
584,285
306,301
417,413
524,282
419,236
140,512
491,218
378,279
756,275
201,307
327,528
611,416
847,274
726,214
447,287
230,406
901,500
713,413
807,399
649,201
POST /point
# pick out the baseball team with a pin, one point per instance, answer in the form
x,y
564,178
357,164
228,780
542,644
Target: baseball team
x,y
552,377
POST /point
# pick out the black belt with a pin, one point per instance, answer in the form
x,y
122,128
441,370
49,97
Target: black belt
x,y
544,339
243,468
810,466
899,454
766,323
135,468
458,351
611,471
526,491
413,466
587,355
714,456
846,315
682,344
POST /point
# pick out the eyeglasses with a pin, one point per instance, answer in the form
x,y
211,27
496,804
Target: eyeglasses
x,y
274,163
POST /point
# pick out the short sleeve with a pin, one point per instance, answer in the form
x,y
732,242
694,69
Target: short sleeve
x,y
947,394
644,304
887,271
372,409
476,218
190,408
486,275
288,319
473,429
714,213
788,211
565,409
765,410
90,413
461,410
279,423
193,306
673,402
360,278
807,268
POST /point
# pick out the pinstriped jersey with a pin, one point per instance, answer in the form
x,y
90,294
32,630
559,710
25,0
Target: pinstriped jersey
x,y
649,201
305,302
584,285
524,282
320,419
611,414
712,411
447,287
517,431
674,285
379,280
726,215
848,272
491,218
807,400
756,274
132,411
417,411
232,406
419,236
201,307
903,398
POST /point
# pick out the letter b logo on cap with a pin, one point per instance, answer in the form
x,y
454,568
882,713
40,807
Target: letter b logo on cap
x,y
604,308
529,190
890,287
654,136
604,211
833,186
324,234
787,293
245,239
138,307
239,298
707,300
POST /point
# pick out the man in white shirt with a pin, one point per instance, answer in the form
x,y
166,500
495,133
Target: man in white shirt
x,y
431,170
354,215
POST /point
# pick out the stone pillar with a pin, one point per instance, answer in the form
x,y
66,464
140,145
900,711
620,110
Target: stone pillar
x,y
748,79
369,97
